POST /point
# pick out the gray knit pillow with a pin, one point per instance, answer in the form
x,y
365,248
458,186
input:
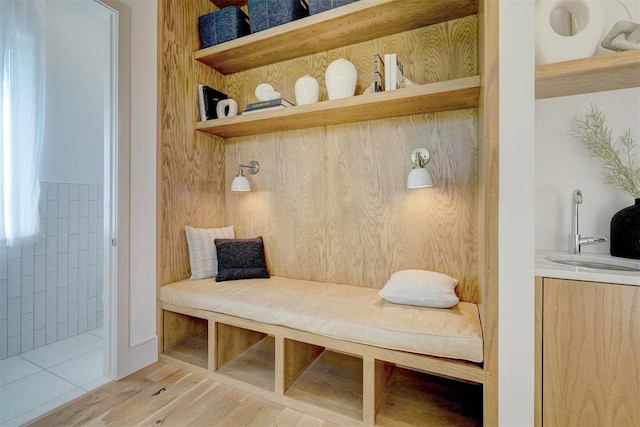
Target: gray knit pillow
x,y
241,259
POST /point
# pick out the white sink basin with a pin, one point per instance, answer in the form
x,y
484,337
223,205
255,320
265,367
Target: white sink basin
x,y
595,262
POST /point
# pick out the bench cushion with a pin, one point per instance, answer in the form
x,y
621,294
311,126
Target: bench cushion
x,y
339,311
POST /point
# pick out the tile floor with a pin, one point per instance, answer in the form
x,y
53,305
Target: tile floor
x,y
37,381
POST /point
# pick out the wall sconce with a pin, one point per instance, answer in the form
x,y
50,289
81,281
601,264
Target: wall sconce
x,y
240,182
419,177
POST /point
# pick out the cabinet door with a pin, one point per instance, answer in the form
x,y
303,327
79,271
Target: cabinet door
x,y
591,354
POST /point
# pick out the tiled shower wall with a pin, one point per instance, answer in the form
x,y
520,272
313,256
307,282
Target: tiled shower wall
x,y
52,289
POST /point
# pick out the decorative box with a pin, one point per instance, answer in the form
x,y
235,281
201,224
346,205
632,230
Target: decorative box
x,y
265,14
317,6
223,25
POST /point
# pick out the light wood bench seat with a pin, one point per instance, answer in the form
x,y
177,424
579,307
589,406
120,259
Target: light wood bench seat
x,y
278,337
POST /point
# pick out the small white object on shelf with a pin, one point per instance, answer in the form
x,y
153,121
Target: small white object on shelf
x,y
307,90
624,35
227,108
341,78
265,92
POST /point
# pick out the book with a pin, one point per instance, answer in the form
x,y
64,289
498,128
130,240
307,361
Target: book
x,y
393,71
270,103
257,110
378,73
208,99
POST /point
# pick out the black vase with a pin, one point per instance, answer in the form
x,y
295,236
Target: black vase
x,y
625,232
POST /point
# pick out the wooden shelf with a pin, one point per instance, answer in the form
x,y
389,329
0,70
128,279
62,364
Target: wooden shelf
x,y
193,351
255,366
352,23
332,381
614,71
441,96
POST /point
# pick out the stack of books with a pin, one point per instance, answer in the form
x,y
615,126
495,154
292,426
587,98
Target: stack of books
x,y
393,72
208,99
272,104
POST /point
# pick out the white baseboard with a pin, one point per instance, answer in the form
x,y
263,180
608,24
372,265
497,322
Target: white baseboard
x,y
143,354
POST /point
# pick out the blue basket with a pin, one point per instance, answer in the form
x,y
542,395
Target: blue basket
x,y
265,14
223,25
317,6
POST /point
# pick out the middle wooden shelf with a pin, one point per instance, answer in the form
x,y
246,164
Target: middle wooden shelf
x,y
441,96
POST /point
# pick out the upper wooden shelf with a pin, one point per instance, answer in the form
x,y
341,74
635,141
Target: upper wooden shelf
x,y
619,70
352,23
441,96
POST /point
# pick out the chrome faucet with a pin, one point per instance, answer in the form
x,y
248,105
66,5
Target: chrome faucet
x,y
575,240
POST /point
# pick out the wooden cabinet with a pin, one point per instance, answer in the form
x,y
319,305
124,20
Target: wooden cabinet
x,y
588,345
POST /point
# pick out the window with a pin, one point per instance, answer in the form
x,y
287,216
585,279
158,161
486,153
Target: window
x,y
22,64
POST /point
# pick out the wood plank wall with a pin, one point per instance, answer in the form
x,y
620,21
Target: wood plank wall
x,y
331,202
191,164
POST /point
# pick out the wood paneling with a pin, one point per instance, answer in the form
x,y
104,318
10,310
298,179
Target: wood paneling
x,y
331,202
591,354
231,341
488,191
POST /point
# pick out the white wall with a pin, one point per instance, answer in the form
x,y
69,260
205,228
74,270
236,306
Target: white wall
x,y
563,164
74,132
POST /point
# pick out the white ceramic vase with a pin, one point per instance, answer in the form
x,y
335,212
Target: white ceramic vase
x,y
341,78
551,46
307,90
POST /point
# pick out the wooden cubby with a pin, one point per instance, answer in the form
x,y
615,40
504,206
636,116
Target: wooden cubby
x,y
245,355
186,338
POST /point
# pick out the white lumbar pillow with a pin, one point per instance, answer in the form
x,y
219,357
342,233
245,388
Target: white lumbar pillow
x,y
202,249
421,287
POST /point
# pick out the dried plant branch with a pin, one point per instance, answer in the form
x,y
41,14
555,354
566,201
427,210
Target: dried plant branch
x,y
619,159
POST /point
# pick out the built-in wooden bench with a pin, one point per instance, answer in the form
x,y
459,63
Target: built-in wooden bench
x,y
334,351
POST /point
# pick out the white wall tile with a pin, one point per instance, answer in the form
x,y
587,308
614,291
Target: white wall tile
x,y
73,216
4,299
39,310
83,299
27,333
73,318
83,199
100,200
93,216
93,192
4,262
73,284
52,289
100,263
39,338
73,191
83,265
40,273
92,281
14,317
52,191
27,259
13,346
93,249
63,200
63,331
83,234
27,294
73,251
42,203
63,305
82,324
63,270
63,235
41,245
4,339
52,253
92,321
52,217
15,277
52,325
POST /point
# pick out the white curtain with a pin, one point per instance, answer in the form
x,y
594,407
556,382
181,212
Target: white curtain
x,y
22,68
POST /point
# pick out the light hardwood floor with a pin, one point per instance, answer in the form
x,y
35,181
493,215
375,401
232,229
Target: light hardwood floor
x,y
164,395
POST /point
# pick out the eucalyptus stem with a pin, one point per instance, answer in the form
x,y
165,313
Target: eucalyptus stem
x,y
618,158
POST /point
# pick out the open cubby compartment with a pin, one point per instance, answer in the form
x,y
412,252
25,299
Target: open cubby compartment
x,y
323,377
409,397
186,338
245,355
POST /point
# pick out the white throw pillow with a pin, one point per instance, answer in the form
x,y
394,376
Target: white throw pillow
x,y
202,249
421,287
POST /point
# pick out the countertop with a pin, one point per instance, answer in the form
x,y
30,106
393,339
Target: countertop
x,y
547,268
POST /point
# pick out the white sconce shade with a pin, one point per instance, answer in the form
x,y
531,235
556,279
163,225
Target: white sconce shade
x,y
240,182
419,177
